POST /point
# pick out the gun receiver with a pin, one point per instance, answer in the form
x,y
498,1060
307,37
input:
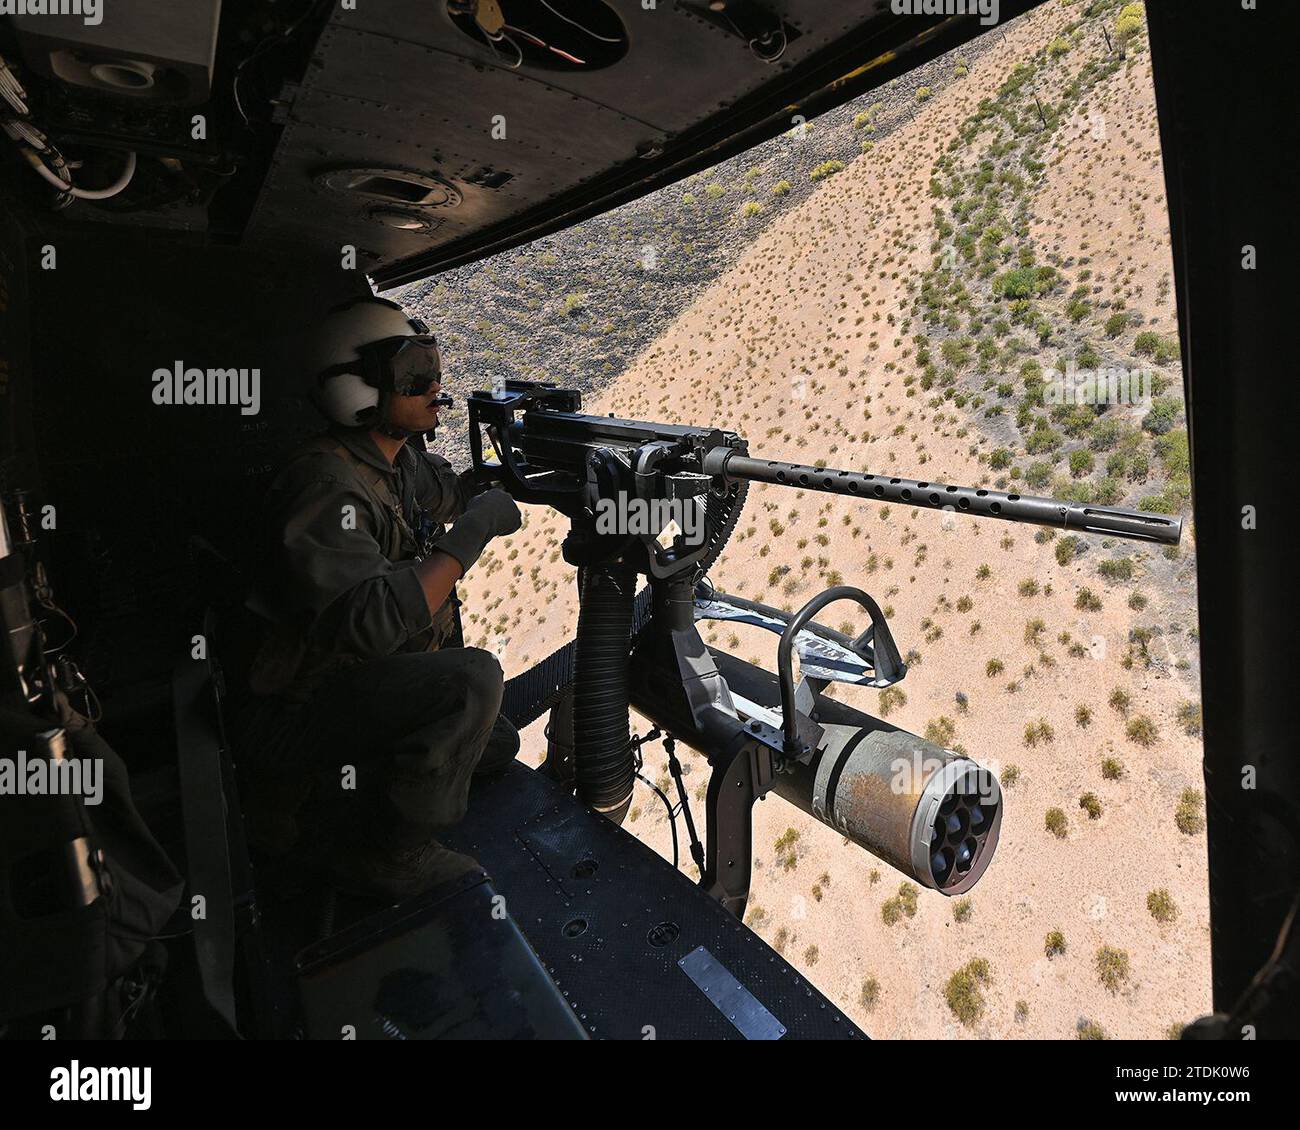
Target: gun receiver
x,y
932,813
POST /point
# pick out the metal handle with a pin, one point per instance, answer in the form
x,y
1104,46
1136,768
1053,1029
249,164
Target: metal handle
x,y
884,651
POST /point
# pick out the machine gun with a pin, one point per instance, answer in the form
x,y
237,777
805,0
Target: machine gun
x,y
932,813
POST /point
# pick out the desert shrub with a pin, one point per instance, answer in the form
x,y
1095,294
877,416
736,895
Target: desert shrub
x,y
1162,906
941,731
826,169
870,995
1067,549
994,667
751,208
1081,462
1189,718
1055,821
964,991
891,699
1058,47
1090,1030
1163,415
1188,816
1039,732
1116,568
1112,768
1091,805
900,906
1112,967
1039,475
787,857
1010,775
1120,702
1142,730
961,910
1054,944
1087,601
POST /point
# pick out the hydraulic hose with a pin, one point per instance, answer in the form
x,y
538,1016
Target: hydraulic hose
x,y
602,754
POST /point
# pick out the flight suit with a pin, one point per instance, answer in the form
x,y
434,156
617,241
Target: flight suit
x,y
354,675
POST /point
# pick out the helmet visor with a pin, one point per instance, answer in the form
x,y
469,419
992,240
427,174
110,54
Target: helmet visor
x,y
413,364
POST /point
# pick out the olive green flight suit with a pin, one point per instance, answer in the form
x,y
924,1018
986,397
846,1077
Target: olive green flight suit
x,y
354,672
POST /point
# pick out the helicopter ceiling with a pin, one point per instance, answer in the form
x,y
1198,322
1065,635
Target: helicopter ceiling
x,y
428,133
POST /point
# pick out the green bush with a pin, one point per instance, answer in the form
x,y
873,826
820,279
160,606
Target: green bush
x,y
1142,730
1162,906
1054,945
1188,816
964,990
1068,548
1091,805
1116,569
870,995
826,169
1163,415
1055,821
1112,967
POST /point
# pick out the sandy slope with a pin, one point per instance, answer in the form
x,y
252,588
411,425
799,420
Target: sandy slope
x,y
792,347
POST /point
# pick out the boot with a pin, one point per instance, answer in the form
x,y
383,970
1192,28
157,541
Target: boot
x,y
382,866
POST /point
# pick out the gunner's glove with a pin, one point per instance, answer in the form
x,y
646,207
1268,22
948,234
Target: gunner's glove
x,y
488,515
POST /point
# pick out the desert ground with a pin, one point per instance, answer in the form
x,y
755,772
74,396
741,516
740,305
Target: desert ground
x,y
876,324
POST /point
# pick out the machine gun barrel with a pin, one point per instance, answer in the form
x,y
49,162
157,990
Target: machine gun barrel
x,y
940,496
